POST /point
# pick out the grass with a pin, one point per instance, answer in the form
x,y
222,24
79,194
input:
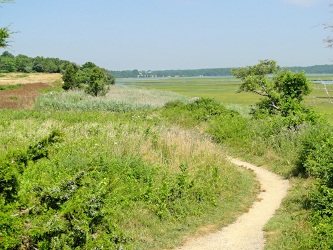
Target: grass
x,y
119,99
153,182
221,89
171,147
290,227
23,78
225,90
10,87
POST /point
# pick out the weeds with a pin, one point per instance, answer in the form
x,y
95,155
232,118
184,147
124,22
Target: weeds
x,y
127,181
120,99
10,87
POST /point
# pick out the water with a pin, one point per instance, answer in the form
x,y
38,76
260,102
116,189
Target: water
x,y
324,82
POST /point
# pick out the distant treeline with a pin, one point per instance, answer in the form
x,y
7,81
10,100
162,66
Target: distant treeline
x,y
317,69
22,63
172,73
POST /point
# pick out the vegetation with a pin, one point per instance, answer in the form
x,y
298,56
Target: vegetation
x,y
116,181
119,99
4,32
9,87
316,69
4,35
226,91
282,91
301,153
90,77
137,179
22,63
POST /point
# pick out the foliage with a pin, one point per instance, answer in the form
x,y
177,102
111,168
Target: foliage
x,y
316,160
10,87
70,77
316,69
96,83
112,181
22,63
283,91
92,78
4,35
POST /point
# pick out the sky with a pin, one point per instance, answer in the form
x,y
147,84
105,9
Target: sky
x,y
171,34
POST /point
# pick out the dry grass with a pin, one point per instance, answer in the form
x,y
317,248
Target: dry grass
x,y
21,98
22,78
25,96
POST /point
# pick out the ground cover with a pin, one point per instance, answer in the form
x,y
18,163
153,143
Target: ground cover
x,y
94,179
225,90
267,143
24,78
20,90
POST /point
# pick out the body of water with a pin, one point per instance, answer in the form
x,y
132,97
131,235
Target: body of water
x,y
323,82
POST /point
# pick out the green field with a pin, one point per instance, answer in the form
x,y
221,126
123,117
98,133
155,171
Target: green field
x,y
144,167
225,90
114,172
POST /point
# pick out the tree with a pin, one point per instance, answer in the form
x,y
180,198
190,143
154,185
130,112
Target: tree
x,y
96,83
24,63
4,32
70,77
110,80
282,91
7,64
7,54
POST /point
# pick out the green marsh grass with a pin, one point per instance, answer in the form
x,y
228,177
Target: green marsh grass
x,y
225,90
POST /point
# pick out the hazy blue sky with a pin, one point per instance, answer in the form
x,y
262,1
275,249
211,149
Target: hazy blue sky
x,y
171,34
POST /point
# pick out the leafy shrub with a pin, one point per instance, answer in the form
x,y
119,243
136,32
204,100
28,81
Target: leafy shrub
x,y
10,169
282,92
316,159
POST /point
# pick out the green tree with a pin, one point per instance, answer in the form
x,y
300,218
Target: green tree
x,y
282,91
110,80
70,77
4,35
7,54
96,83
7,64
4,31
24,63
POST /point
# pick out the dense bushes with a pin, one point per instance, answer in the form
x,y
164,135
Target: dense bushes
x,y
11,167
316,159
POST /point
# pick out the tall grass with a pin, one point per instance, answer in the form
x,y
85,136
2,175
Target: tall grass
x,y
119,99
118,181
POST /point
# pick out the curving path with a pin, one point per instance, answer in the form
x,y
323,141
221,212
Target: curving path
x,y
247,231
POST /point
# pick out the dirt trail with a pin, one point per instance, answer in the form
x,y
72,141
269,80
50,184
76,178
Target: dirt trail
x,y
247,231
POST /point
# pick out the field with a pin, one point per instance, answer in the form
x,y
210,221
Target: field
x,y
78,175
225,90
144,169
19,91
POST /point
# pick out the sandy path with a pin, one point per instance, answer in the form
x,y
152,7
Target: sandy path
x,y
247,231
